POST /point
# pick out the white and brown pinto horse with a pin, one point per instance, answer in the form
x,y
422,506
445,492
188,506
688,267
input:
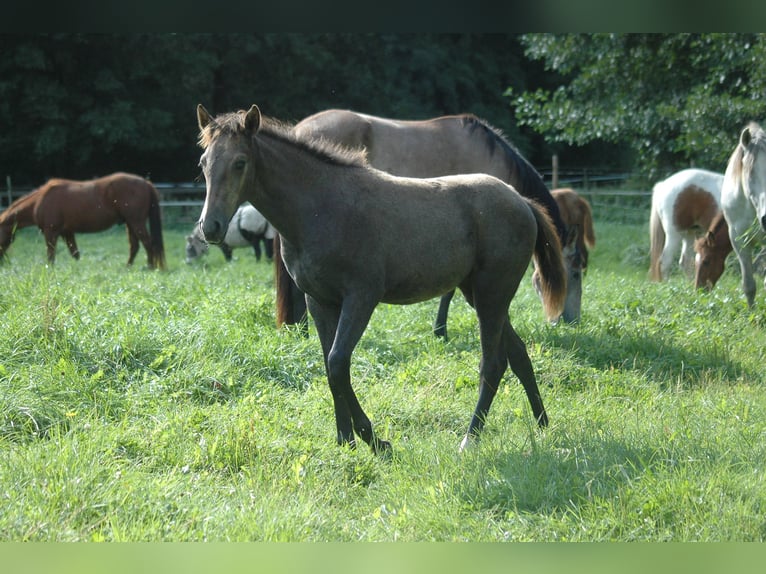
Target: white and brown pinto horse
x,y
683,207
743,200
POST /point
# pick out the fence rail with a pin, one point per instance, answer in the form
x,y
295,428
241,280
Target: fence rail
x,y
182,202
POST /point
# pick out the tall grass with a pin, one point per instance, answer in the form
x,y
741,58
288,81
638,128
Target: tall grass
x,y
146,406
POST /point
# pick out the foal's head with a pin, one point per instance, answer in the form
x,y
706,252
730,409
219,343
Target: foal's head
x,y
227,164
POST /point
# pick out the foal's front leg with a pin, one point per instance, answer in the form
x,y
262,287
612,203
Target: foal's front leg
x,y
339,331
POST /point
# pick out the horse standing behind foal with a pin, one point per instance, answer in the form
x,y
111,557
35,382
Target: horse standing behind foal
x,y
447,145
683,207
64,207
342,224
743,200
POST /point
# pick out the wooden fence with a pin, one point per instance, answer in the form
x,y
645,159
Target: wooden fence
x,y
182,202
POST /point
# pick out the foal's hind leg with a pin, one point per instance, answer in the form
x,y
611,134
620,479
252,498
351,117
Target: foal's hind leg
x,y
521,365
139,231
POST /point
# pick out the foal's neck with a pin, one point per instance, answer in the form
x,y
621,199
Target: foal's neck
x,y
291,187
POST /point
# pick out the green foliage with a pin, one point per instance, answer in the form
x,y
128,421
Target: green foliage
x,y
79,105
164,406
675,99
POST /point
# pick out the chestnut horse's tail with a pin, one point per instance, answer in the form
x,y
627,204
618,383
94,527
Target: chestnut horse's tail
x,y
549,262
157,256
290,301
657,242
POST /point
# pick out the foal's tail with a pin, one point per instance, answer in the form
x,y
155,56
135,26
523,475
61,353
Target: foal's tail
x,y
549,262
157,256
657,242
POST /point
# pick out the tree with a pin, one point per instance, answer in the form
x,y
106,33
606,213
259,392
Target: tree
x,y
674,99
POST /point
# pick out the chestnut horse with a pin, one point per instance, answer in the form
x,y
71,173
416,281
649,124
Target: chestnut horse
x,y
743,200
63,207
683,207
354,236
447,145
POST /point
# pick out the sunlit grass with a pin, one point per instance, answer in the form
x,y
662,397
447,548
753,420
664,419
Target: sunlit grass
x,y
140,405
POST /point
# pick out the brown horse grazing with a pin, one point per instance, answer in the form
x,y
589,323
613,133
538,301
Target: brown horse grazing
x,y
578,217
62,208
343,223
711,252
447,145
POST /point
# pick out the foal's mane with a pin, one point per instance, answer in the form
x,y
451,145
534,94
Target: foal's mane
x,y
233,124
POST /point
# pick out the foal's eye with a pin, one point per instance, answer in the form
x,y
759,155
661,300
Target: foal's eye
x,y
239,165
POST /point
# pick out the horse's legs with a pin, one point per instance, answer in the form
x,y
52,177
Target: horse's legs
x,y
745,257
521,365
226,250
51,237
71,244
257,248
687,256
268,247
440,324
672,243
133,244
339,331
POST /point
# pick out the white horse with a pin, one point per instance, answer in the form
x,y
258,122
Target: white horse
x,y
247,228
683,206
743,200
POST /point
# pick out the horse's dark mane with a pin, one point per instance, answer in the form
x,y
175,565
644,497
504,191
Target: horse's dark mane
x,y
530,179
233,124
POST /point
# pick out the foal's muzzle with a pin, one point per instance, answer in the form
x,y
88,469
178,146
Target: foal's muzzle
x,y
213,229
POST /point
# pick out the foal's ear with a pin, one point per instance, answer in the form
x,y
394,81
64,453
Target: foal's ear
x,y
253,119
203,117
745,137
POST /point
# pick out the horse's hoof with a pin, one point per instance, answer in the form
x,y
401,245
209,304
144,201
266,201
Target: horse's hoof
x,y
467,442
382,448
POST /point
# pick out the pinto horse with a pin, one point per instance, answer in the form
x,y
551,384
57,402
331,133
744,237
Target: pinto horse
x,y
342,223
248,228
447,145
63,207
743,200
683,207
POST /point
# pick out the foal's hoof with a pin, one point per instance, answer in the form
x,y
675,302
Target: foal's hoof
x,y
468,441
382,448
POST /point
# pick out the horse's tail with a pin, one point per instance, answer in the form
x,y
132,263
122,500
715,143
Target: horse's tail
x,y
291,306
657,243
549,262
157,256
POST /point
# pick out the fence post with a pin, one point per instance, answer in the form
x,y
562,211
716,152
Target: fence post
x,y
555,175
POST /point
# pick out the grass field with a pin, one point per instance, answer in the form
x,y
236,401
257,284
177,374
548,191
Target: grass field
x,y
150,406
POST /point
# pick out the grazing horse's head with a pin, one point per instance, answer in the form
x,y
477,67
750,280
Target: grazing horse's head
x,y
711,250
226,164
575,264
7,230
196,246
752,142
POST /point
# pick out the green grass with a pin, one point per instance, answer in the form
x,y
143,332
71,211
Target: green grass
x,y
149,406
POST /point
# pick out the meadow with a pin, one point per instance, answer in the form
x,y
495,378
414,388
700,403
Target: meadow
x,y
138,405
